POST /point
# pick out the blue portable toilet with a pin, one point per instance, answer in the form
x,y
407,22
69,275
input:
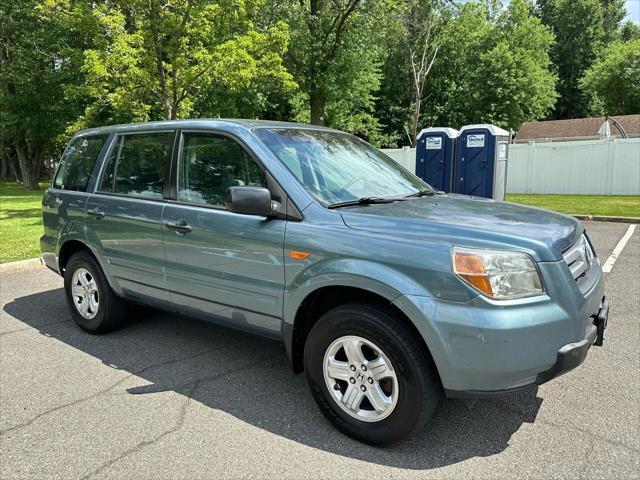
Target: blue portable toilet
x,y
481,161
435,156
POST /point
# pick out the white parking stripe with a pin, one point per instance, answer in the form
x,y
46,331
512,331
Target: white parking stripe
x,y
608,265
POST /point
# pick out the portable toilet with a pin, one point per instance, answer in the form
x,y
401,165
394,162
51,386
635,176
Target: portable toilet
x,y
481,161
435,156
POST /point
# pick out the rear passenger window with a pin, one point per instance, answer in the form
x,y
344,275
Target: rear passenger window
x,y
137,165
209,164
77,163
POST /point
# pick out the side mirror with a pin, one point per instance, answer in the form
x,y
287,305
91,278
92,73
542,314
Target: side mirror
x,y
250,201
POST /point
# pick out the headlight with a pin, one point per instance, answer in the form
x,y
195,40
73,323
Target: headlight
x,y
498,275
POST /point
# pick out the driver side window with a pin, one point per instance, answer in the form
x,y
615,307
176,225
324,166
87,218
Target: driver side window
x,y
209,164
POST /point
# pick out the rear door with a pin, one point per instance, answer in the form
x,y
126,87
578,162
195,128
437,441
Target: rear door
x,y
124,215
63,204
219,264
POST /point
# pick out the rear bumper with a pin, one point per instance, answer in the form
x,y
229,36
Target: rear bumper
x,y
48,247
569,356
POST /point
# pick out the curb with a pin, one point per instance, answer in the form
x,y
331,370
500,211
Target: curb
x,y
596,218
21,266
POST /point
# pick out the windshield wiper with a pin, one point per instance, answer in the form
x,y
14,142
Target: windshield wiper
x,y
363,201
421,193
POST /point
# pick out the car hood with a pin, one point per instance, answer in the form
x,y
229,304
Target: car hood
x,y
470,221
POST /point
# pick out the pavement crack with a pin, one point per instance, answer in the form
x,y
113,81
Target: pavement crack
x,y
589,434
138,447
190,390
37,328
100,392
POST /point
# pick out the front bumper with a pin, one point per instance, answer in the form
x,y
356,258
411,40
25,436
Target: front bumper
x,y
569,357
486,348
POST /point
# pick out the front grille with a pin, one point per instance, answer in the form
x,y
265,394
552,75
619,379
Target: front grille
x,y
579,257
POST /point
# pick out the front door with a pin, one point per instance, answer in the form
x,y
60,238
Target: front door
x,y
219,264
124,215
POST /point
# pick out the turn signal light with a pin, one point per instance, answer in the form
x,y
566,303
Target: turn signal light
x,y
297,255
471,268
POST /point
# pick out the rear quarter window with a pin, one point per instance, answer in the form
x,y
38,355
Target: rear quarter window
x,y
76,165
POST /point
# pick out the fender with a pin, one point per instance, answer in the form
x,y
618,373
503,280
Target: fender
x,y
365,275
78,232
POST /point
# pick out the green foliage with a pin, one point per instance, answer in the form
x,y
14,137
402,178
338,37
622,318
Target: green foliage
x,y
381,69
582,29
614,79
34,73
629,31
158,59
334,55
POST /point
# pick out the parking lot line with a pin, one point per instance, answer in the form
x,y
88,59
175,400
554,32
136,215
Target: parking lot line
x,y
608,265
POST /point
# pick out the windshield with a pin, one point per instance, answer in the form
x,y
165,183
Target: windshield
x,y
337,167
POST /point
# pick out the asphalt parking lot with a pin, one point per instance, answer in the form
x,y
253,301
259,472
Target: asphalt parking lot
x,y
171,397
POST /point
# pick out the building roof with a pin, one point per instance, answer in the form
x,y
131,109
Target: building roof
x,y
576,129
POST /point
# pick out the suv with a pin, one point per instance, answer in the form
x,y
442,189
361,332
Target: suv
x,y
387,293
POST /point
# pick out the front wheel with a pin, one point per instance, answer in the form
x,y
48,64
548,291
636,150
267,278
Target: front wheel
x,y
369,376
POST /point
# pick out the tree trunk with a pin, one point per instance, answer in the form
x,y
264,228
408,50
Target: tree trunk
x,y
14,168
4,174
4,161
317,104
27,165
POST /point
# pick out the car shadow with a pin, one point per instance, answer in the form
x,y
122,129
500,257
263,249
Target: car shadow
x,y
249,378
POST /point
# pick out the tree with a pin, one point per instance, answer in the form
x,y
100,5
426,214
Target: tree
x,y
334,54
155,59
34,73
578,28
613,12
613,79
493,67
421,21
629,31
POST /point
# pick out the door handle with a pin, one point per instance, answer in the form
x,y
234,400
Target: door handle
x,y
96,212
180,228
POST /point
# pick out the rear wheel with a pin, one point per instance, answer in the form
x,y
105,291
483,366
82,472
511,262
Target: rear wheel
x,y
93,304
369,376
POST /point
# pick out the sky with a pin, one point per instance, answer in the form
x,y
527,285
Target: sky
x,y
633,10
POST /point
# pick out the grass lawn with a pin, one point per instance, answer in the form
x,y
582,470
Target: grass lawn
x,y
604,205
20,222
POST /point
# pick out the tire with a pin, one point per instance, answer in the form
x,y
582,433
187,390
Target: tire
x,y
108,311
417,387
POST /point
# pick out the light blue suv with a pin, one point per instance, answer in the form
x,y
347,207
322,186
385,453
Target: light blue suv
x,y
386,293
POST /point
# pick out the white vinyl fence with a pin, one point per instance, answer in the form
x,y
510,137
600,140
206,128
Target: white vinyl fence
x,y
588,167
596,167
404,156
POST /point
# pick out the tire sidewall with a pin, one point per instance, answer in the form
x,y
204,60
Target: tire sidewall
x,y
406,414
77,261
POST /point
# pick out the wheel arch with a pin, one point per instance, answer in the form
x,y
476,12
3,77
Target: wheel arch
x,y
325,298
72,246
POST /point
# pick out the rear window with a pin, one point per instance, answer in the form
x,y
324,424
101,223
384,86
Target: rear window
x,y
76,165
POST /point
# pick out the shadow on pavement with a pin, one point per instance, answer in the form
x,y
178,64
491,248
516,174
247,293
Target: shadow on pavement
x,y
250,378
